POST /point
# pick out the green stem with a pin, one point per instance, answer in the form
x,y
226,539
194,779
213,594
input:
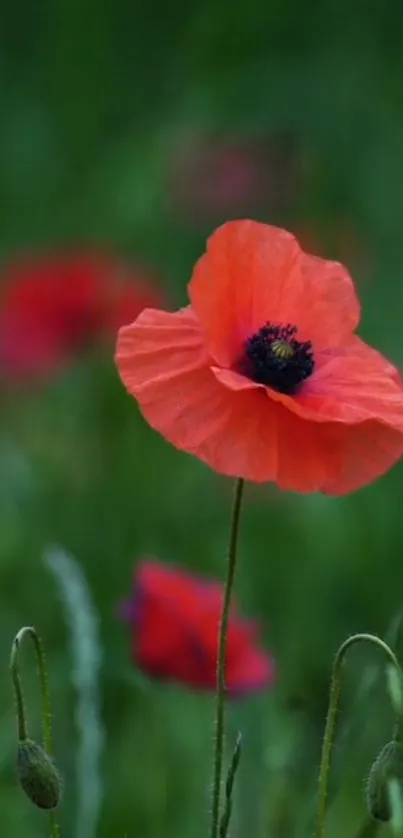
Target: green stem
x,y
29,631
330,727
222,660
22,728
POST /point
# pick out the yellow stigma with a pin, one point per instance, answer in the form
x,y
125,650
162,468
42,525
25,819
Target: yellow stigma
x,y
282,349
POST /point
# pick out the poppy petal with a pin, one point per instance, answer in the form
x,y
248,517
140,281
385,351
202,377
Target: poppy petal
x,y
249,672
351,386
235,380
320,300
369,450
254,273
332,457
159,345
242,434
181,398
237,283
356,386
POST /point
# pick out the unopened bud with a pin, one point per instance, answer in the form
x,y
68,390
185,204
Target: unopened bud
x,y
37,775
387,766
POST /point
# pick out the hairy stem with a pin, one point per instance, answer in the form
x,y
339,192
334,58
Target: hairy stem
x,y
330,727
29,631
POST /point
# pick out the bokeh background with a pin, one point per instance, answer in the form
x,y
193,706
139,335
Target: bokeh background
x,y
134,129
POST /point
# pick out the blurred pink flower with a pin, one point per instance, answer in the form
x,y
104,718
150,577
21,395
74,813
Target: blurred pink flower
x,y
52,306
220,176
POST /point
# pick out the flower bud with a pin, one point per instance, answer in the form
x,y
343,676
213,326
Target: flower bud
x,y
37,775
388,765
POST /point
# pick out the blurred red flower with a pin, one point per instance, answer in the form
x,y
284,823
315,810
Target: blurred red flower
x,y
174,618
262,376
54,305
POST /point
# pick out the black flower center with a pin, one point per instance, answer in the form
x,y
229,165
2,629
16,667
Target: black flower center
x,y
274,357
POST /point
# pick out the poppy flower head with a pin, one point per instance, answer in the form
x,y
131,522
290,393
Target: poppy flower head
x,y
174,618
262,376
274,357
53,306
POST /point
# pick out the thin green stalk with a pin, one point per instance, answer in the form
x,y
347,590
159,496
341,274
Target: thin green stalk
x,y
22,728
221,662
330,727
43,683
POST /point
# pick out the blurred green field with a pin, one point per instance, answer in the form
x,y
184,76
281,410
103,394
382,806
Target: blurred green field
x,y
110,116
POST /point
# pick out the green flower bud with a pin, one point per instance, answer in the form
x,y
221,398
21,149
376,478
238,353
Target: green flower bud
x,y
37,775
388,765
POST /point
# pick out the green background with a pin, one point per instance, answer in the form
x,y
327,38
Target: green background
x,y
106,113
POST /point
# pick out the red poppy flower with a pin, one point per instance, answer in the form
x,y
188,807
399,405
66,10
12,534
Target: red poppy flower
x,y
54,305
175,618
262,376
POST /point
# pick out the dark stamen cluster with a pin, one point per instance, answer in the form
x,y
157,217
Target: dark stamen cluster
x,y
274,357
